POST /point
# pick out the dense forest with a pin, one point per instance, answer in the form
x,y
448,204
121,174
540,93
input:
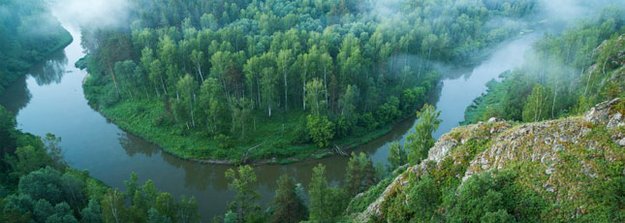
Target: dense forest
x,y
28,35
233,82
566,75
275,79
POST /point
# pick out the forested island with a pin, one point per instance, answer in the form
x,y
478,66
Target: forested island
x,y
272,81
245,81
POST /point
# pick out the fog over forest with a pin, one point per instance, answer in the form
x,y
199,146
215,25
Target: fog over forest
x,y
250,111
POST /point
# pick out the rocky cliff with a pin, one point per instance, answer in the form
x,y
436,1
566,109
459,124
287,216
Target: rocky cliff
x,y
563,161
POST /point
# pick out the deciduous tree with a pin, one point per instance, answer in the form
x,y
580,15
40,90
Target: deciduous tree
x,y
421,140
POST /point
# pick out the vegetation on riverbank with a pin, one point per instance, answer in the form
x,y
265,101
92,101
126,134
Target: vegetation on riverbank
x,y
36,185
29,34
565,170
569,169
271,143
275,79
566,75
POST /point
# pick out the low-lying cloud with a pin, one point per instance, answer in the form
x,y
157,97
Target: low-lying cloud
x,y
568,11
100,13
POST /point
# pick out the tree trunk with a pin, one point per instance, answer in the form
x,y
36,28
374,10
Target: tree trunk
x,y
113,208
258,92
192,113
286,92
304,89
325,83
587,82
555,96
269,110
163,85
114,80
199,70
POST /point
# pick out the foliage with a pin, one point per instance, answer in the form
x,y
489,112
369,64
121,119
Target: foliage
x,y
421,140
326,203
360,202
397,156
320,129
28,35
423,198
41,188
491,196
244,205
273,60
568,73
537,105
360,174
288,206
7,130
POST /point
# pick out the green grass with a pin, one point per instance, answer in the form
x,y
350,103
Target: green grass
x,y
268,140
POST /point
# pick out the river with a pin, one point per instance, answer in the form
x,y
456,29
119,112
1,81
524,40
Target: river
x,y
51,100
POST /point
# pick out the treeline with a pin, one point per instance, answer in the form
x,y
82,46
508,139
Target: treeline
x,y
567,74
215,67
28,35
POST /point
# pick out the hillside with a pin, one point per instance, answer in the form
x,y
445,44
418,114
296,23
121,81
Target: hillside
x,y
556,171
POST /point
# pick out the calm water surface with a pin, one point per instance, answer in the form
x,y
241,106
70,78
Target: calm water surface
x,y
51,100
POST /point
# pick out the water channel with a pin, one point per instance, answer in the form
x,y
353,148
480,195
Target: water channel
x,y
50,100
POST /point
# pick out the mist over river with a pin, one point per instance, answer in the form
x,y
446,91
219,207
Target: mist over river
x,y
51,100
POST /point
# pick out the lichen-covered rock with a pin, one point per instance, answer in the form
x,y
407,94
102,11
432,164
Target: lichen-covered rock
x,y
559,158
601,112
441,150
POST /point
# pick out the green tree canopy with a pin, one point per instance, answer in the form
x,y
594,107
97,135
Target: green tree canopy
x,y
421,140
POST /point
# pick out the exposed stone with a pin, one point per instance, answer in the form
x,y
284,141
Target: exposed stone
x,y
494,119
616,121
557,148
550,170
441,148
549,144
588,170
601,112
549,188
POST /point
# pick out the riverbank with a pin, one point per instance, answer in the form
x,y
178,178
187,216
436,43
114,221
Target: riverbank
x,y
262,147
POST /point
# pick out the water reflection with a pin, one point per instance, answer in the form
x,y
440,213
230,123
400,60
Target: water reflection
x,y
52,70
134,145
17,96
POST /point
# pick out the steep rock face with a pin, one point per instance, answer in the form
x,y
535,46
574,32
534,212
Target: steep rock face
x,y
558,159
447,147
